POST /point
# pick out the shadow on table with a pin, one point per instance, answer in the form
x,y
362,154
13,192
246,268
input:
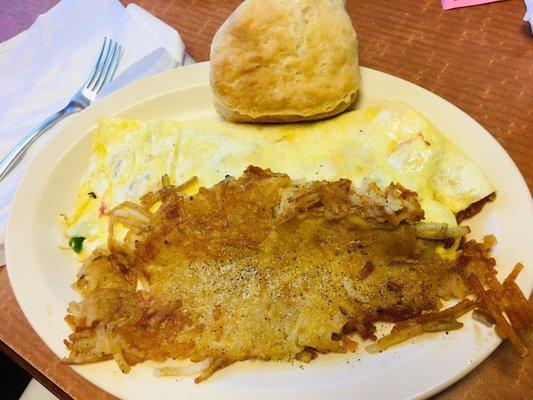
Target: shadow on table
x,y
13,379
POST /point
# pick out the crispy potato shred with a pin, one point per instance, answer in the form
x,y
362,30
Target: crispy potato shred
x,y
263,267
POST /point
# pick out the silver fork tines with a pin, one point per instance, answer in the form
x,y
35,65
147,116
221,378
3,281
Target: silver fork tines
x,y
101,74
98,66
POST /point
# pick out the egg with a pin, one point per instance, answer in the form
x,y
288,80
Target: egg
x,y
388,143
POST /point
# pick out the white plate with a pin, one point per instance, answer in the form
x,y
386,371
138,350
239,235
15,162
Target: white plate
x,y
41,274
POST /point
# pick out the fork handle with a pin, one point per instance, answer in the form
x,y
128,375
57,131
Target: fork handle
x,y
17,152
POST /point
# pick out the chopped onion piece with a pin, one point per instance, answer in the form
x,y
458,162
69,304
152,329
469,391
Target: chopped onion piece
x,y
438,231
186,370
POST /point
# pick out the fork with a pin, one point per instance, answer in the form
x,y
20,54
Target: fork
x,y
101,74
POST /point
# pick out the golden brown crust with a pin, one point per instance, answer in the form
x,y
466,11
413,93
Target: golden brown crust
x,y
264,267
235,116
285,61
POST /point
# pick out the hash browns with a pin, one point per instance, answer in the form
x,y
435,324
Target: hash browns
x,y
261,267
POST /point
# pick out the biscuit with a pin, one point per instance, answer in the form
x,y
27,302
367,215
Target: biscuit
x,y
284,61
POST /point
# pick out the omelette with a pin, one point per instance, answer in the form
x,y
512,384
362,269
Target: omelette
x,y
391,143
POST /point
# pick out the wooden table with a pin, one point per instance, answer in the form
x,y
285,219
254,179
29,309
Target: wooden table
x,y
479,58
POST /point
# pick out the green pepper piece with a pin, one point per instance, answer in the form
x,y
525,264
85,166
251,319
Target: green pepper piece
x,y
76,243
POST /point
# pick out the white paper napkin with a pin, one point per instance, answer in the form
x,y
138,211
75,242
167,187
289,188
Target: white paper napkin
x,y
42,67
528,17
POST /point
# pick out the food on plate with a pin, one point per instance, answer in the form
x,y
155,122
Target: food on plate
x,y
390,143
265,267
282,61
